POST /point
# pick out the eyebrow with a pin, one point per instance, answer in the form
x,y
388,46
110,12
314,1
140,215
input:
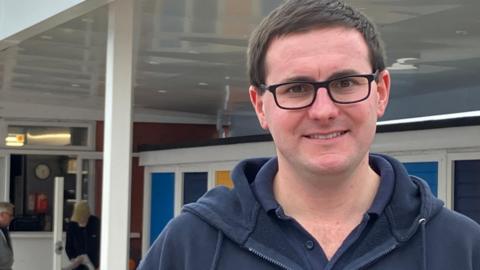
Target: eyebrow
x,y
337,74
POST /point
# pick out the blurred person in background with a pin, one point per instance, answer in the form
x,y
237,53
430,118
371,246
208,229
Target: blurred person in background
x,y
83,239
6,250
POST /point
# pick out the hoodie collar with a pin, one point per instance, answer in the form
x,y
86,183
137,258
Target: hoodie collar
x,y
411,204
262,187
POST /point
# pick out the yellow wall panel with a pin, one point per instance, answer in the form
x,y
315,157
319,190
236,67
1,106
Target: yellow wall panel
x,y
222,178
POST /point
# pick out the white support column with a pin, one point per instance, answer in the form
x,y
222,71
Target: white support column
x,y
58,223
117,137
78,179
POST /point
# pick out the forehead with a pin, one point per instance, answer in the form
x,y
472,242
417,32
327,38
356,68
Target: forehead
x,y
319,51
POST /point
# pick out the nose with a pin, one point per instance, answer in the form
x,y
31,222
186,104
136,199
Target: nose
x,y
323,108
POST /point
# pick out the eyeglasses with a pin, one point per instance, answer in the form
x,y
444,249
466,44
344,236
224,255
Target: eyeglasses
x,y
301,94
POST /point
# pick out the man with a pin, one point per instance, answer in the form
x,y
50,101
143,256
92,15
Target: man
x,y
6,251
318,85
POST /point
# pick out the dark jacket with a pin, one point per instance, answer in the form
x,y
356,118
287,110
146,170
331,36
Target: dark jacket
x,y
6,251
229,230
84,240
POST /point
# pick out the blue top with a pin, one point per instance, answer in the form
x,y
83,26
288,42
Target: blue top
x,y
304,243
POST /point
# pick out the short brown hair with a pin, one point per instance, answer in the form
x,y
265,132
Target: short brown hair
x,y
296,16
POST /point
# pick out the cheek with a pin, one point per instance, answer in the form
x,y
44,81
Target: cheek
x,y
281,121
369,123
364,118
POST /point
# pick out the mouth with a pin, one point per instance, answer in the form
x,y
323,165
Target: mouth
x,y
326,136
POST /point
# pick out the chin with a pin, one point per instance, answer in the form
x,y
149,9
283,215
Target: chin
x,y
329,166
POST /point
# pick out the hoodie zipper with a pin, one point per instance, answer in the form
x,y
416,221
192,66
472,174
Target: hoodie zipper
x,y
281,265
270,260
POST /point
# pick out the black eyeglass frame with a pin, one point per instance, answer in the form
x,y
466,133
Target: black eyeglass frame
x,y
324,84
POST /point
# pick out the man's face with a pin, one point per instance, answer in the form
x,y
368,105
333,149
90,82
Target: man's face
x,y
326,138
5,218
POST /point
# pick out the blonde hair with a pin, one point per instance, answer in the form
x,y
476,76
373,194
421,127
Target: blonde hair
x,y
81,212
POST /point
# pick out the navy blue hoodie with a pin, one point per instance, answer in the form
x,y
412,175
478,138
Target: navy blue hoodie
x,y
228,229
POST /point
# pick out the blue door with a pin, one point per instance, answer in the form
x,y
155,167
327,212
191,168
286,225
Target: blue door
x,y
162,202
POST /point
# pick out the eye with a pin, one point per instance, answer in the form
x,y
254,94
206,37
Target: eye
x,y
298,88
343,83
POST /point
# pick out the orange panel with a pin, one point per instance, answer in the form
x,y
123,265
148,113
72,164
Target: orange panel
x,y
222,178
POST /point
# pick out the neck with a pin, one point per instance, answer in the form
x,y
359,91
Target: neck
x,y
327,197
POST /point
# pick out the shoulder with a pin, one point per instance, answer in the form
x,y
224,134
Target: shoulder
x,y
72,226
94,220
458,219
186,240
187,228
455,238
456,226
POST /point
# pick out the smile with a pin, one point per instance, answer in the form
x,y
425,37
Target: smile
x,y
328,136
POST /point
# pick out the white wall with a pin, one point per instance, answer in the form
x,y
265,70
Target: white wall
x,y
33,250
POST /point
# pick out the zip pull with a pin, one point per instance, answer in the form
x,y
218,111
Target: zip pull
x,y
270,260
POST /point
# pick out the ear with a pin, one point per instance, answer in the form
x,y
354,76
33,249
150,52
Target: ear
x,y
383,92
257,101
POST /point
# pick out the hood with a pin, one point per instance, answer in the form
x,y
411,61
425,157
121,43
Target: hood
x,y
412,202
235,211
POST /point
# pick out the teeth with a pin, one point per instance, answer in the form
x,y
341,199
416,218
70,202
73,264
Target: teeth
x,y
326,136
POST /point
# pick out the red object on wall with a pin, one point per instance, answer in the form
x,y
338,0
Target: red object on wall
x,y
41,203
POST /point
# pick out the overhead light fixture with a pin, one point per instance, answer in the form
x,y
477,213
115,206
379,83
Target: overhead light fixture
x,y
153,62
75,85
88,20
47,37
14,139
60,136
162,91
401,64
203,84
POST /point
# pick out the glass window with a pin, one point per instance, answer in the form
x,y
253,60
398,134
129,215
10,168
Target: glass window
x,y
467,188
194,186
32,190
